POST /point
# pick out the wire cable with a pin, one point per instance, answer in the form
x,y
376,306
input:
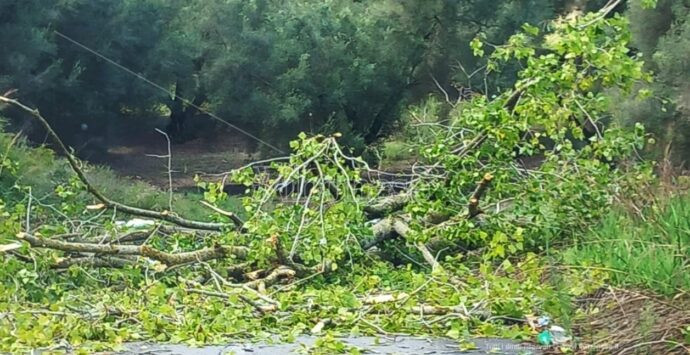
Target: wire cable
x,y
169,92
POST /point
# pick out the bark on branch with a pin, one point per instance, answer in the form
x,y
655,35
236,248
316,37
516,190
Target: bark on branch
x,y
168,259
387,205
386,229
93,261
473,208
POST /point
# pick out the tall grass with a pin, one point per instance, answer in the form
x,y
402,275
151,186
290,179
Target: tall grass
x,y
651,252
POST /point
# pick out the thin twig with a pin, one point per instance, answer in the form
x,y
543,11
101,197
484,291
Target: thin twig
x,y
169,156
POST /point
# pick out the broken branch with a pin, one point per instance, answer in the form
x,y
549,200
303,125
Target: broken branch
x,y
169,259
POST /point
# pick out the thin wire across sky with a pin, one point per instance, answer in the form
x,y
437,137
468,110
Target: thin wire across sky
x,y
169,92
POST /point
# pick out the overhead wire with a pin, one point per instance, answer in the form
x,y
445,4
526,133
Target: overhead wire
x,y
167,91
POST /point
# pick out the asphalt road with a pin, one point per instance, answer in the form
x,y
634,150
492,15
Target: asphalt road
x,y
368,345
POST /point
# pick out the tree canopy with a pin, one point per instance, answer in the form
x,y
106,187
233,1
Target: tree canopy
x,y
273,67
663,38
507,217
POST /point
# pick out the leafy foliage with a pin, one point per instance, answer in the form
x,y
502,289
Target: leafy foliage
x,y
273,67
305,259
558,95
662,36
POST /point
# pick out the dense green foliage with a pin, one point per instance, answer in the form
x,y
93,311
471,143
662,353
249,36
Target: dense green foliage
x,y
490,267
274,67
663,38
507,215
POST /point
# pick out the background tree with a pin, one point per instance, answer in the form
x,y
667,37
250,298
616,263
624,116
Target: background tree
x,y
663,38
273,67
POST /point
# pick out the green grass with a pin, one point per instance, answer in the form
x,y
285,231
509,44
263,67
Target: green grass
x,y
653,252
395,152
40,169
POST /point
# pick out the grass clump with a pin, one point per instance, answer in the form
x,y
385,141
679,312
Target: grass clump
x,y
650,252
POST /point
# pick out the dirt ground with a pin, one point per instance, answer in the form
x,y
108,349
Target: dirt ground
x,y
143,155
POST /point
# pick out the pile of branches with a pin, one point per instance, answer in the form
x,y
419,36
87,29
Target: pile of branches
x,y
384,215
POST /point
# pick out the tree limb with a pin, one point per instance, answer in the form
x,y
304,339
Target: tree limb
x,y
169,259
239,223
93,261
473,208
386,205
276,275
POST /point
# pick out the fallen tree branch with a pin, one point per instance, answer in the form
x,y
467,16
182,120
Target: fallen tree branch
x,y
461,311
168,259
430,258
387,205
93,261
392,227
165,215
320,325
263,309
382,231
239,223
281,272
473,208
385,298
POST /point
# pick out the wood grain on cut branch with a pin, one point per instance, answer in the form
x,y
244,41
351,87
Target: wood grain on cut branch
x,y
169,259
164,216
473,208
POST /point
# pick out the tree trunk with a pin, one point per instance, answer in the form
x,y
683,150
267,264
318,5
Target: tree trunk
x,y
175,128
181,113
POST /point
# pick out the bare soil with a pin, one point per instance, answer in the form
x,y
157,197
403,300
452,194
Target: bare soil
x,y
143,156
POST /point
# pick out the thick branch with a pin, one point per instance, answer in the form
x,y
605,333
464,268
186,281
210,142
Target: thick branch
x,y
93,261
460,311
387,205
165,215
169,259
239,223
383,230
276,275
392,227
